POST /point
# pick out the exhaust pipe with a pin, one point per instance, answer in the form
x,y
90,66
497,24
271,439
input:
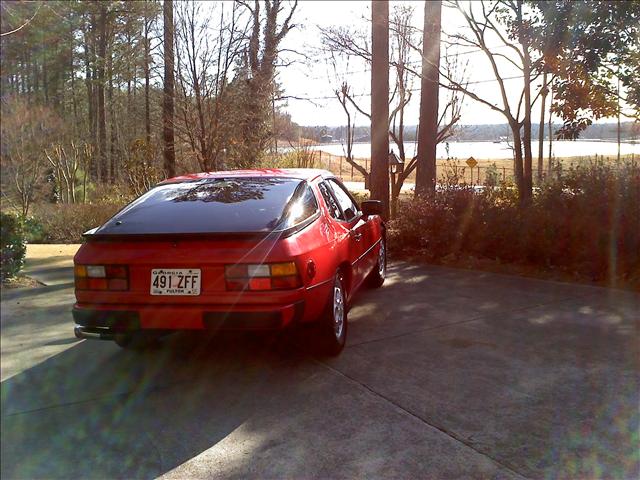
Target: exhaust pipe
x,y
95,333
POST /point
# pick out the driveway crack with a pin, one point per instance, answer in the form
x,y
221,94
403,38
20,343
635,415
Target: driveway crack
x,y
424,421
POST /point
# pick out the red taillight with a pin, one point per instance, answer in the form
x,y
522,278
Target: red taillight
x,y
118,284
260,284
261,277
98,284
285,282
101,277
116,271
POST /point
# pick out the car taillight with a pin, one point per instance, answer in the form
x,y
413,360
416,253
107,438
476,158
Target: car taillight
x,y
101,277
265,276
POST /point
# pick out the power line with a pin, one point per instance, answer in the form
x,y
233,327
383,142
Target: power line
x,y
490,80
418,62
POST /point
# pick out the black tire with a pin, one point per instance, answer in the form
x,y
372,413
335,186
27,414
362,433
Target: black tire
x,y
379,273
332,332
135,340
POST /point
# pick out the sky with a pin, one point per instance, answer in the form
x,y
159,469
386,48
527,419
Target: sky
x,y
309,83
316,79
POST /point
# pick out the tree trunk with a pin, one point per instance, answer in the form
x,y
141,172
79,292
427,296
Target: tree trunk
x,y
379,177
36,79
517,154
74,99
90,98
45,81
168,108
428,120
396,185
26,72
550,129
527,181
543,100
102,124
113,161
618,115
147,74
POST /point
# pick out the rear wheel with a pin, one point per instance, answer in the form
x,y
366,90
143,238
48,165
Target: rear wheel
x,y
379,273
333,325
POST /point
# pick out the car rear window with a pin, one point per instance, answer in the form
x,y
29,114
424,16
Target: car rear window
x,y
220,205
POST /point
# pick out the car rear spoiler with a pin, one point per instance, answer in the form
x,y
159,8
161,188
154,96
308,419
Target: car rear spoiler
x,y
146,237
92,236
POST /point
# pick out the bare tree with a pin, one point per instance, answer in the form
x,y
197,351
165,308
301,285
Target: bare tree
x,y
140,171
26,131
207,54
346,101
507,22
268,29
65,167
354,44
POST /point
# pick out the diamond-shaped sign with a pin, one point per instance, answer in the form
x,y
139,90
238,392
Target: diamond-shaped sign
x,y
472,162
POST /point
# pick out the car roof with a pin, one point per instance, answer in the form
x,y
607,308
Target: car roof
x,y
300,173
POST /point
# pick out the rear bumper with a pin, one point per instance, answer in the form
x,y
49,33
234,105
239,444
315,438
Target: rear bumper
x,y
105,321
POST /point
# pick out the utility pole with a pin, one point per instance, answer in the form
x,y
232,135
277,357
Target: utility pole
x,y
429,86
167,107
379,178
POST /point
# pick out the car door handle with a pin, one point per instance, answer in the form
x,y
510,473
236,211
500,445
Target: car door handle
x,y
356,236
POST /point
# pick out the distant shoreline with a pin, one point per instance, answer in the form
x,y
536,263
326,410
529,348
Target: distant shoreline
x,y
632,141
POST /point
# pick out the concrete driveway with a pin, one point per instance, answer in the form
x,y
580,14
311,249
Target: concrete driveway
x,y
447,374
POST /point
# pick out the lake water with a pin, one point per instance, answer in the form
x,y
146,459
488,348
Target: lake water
x,y
491,150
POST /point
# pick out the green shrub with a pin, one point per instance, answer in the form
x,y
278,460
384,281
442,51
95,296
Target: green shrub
x,y
13,245
492,176
65,223
585,220
34,230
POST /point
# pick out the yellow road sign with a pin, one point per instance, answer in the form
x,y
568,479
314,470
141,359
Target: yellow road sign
x,y
472,162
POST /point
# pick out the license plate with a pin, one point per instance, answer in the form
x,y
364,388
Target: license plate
x,y
175,281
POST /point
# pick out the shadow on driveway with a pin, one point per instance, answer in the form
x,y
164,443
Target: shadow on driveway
x,y
447,373
97,411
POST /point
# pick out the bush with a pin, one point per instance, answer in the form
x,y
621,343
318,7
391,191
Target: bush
x,y
492,176
585,220
13,245
34,230
65,223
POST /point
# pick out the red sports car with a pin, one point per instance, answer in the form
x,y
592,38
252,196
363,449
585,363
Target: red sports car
x,y
249,249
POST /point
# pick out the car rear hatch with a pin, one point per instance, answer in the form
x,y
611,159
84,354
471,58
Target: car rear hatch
x,y
192,228
206,257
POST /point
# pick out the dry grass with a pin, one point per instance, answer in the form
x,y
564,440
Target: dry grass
x,y
503,167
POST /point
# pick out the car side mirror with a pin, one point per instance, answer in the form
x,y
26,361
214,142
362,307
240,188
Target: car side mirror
x,y
371,207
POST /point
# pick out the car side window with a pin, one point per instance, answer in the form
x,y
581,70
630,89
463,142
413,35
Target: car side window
x,y
330,201
347,205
